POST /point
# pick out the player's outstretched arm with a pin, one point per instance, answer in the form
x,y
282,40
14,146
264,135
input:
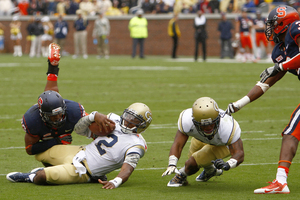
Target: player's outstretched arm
x,y
256,92
175,153
122,177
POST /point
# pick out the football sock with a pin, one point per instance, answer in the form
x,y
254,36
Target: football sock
x,y
281,175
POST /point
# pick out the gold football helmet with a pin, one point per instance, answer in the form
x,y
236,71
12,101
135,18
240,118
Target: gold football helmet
x,y
206,116
136,118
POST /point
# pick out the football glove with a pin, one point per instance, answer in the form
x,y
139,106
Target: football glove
x,y
231,109
269,72
64,139
220,164
170,170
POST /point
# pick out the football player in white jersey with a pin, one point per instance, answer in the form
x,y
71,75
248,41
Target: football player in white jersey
x,y
216,136
122,148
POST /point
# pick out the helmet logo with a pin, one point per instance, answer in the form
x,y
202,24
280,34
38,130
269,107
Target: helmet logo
x,y
40,102
281,11
148,116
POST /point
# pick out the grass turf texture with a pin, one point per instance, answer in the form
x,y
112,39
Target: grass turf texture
x,y
167,87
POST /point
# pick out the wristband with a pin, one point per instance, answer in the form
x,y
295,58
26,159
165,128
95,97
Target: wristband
x,y
232,162
92,116
242,102
52,77
173,160
116,181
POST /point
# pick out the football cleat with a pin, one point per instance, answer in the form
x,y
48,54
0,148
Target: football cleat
x,y
204,176
274,188
177,181
18,177
54,54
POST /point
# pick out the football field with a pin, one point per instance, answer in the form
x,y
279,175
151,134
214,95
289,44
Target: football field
x,y
167,86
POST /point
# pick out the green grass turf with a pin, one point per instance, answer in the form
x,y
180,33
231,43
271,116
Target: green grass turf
x,y
167,87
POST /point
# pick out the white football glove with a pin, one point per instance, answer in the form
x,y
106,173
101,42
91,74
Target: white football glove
x,y
170,170
230,109
271,71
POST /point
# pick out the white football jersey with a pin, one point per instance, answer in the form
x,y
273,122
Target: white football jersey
x,y
107,153
229,130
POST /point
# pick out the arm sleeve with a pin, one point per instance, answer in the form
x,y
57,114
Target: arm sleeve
x,y
82,127
292,63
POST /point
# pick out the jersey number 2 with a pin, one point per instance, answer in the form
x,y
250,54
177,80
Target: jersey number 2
x,y
107,144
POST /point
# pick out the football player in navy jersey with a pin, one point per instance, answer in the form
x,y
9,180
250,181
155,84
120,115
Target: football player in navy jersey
x,y
282,27
51,121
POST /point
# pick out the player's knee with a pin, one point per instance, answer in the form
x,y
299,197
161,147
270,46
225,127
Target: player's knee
x,y
40,178
191,166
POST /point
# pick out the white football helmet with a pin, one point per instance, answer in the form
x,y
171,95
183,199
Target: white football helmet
x,y
136,118
206,113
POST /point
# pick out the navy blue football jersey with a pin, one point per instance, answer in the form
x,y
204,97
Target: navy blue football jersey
x,y
288,49
33,124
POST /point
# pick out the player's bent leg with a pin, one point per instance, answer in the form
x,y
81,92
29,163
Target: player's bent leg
x,y
64,174
191,166
58,155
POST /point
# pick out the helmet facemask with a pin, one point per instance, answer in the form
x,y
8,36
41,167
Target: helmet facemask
x,y
271,25
207,122
51,120
131,123
52,109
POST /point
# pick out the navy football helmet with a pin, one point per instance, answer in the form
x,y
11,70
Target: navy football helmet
x,y
278,21
52,108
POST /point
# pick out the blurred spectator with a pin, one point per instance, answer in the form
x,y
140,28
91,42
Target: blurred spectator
x,y
224,4
225,28
138,27
41,7
243,33
204,6
200,34
250,6
174,33
29,36
6,7
61,29
105,6
101,34
36,30
71,7
23,7
114,10
2,28
47,37
80,35
214,5
260,37
148,6
32,9
230,8
61,7
16,35
51,6
238,5
86,7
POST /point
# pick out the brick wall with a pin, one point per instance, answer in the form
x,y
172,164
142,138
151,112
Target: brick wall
x,y
158,42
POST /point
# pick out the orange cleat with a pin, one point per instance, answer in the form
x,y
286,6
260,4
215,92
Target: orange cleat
x,y
54,54
274,188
